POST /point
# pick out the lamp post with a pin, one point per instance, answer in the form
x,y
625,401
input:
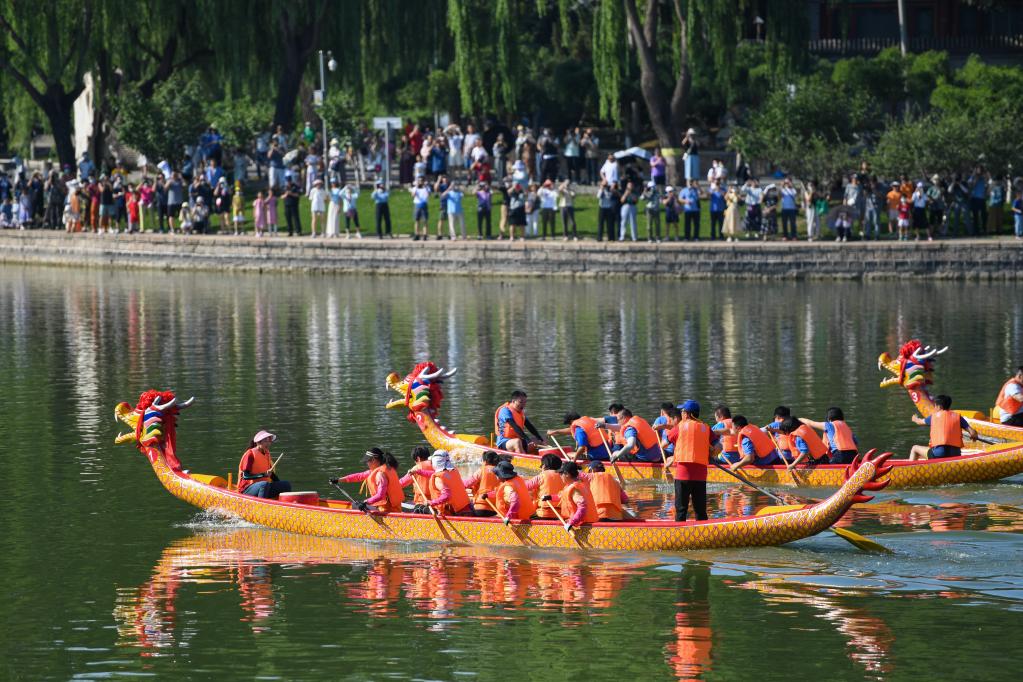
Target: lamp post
x,y
759,22
332,65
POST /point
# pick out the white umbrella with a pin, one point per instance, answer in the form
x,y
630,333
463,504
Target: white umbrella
x,y
633,151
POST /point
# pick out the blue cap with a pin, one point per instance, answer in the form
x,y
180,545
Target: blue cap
x,y
690,406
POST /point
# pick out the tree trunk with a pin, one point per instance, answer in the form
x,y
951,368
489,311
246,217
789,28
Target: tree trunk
x,y
58,108
288,82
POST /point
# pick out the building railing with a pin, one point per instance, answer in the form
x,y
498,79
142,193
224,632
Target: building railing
x,y
953,44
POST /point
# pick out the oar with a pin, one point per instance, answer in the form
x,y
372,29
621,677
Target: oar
x,y
344,492
856,539
777,448
415,482
504,518
563,523
560,449
982,440
614,465
664,459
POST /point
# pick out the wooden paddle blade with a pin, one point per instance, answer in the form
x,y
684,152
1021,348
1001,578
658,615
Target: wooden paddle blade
x,y
780,508
864,543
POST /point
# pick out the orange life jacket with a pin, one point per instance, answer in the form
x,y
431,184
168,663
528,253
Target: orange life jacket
x,y
607,495
395,495
526,504
589,427
946,429
568,505
646,437
1008,404
458,499
692,445
817,447
728,442
518,416
783,441
261,463
419,497
762,444
843,437
487,483
550,484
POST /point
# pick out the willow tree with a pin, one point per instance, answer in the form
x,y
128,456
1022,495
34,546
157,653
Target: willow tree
x,y
670,40
46,48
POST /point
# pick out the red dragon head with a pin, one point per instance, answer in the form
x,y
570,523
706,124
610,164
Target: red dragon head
x,y
153,421
420,389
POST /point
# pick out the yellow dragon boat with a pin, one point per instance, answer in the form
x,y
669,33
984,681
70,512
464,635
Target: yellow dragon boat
x,y
421,396
153,421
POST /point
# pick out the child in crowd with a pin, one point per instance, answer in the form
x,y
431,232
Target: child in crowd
x,y
133,207
7,214
238,209
350,208
905,217
259,214
185,218
270,208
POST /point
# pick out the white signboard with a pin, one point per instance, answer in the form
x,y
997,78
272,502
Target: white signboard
x,y
385,122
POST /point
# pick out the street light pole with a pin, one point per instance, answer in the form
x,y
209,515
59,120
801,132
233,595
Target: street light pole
x,y
323,102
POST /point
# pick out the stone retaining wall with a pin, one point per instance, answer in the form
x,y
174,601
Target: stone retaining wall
x,y
958,259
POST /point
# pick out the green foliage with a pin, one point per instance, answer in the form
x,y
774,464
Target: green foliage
x,y
240,120
891,79
161,127
342,116
609,57
948,143
980,89
810,130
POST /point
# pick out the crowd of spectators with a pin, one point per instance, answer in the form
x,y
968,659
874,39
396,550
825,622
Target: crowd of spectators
x,y
522,182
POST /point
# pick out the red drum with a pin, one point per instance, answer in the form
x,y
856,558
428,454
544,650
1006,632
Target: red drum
x,y
302,497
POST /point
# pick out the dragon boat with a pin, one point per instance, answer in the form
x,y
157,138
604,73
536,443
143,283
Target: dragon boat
x,y
153,423
422,396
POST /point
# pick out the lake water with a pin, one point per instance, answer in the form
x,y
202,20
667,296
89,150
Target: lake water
x,y
106,575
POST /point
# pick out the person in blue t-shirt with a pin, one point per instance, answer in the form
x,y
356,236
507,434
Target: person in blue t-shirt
x,y
946,432
661,426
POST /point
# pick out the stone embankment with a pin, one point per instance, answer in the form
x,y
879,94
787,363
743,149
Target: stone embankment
x,y
1000,259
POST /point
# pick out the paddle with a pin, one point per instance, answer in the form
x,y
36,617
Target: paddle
x,y
560,449
614,465
415,482
859,541
664,458
355,505
564,524
982,440
504,518
788,468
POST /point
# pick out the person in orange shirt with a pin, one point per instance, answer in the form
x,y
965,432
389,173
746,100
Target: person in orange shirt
x,y
511,498
256,476
420,462
576,500
483,482
545,484
695,444
946,432
607,493
893,198
1010,400
384,485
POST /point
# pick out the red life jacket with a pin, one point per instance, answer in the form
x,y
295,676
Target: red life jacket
x,y
646,437
843,437
458,499
526,505
418,485
518,416
550,484
569,506
261,464
589,427
487,483
946,429
607,495
395,494
762,444
1008,404
817,447
692,445
728,442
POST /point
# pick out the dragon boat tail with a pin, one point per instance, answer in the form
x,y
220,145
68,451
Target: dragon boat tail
x,y
153,421
422,397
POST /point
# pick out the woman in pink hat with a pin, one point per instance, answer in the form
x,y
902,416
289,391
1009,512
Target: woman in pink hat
x,y
256,476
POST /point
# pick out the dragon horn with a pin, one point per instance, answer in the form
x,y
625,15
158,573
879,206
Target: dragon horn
x,y
160,408
429,377
942,350
451,372
187,403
